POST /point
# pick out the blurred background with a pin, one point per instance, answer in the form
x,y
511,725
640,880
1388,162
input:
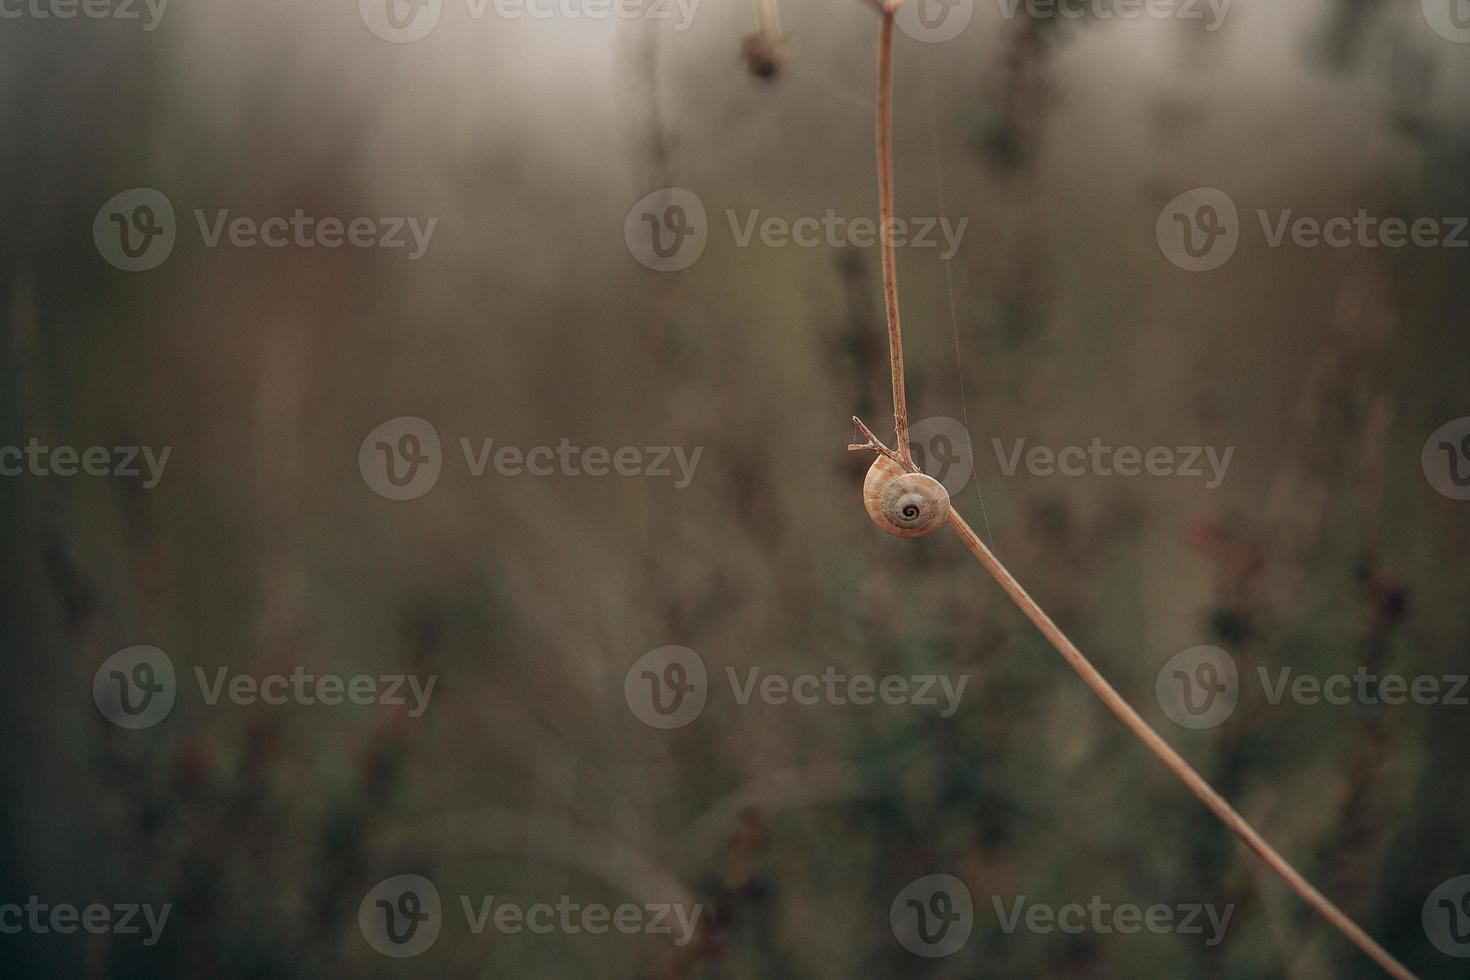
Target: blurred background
x,y
1062,316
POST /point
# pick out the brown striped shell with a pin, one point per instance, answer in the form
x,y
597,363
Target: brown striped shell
x,y
908,505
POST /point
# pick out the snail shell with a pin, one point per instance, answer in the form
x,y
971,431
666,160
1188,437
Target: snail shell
x,y
908,505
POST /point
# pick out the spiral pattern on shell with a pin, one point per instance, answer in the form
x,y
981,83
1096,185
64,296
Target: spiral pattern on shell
x,y
906,505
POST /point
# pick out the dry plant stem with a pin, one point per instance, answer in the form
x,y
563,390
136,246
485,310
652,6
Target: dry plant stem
x,y
1074,657
1156,744
767,19
885,231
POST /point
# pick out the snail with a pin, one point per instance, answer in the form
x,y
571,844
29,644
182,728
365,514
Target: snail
x,y
908,505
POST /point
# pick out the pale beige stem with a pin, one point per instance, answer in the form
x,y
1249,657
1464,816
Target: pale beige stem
x,y
767,18
885,232
1156,744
